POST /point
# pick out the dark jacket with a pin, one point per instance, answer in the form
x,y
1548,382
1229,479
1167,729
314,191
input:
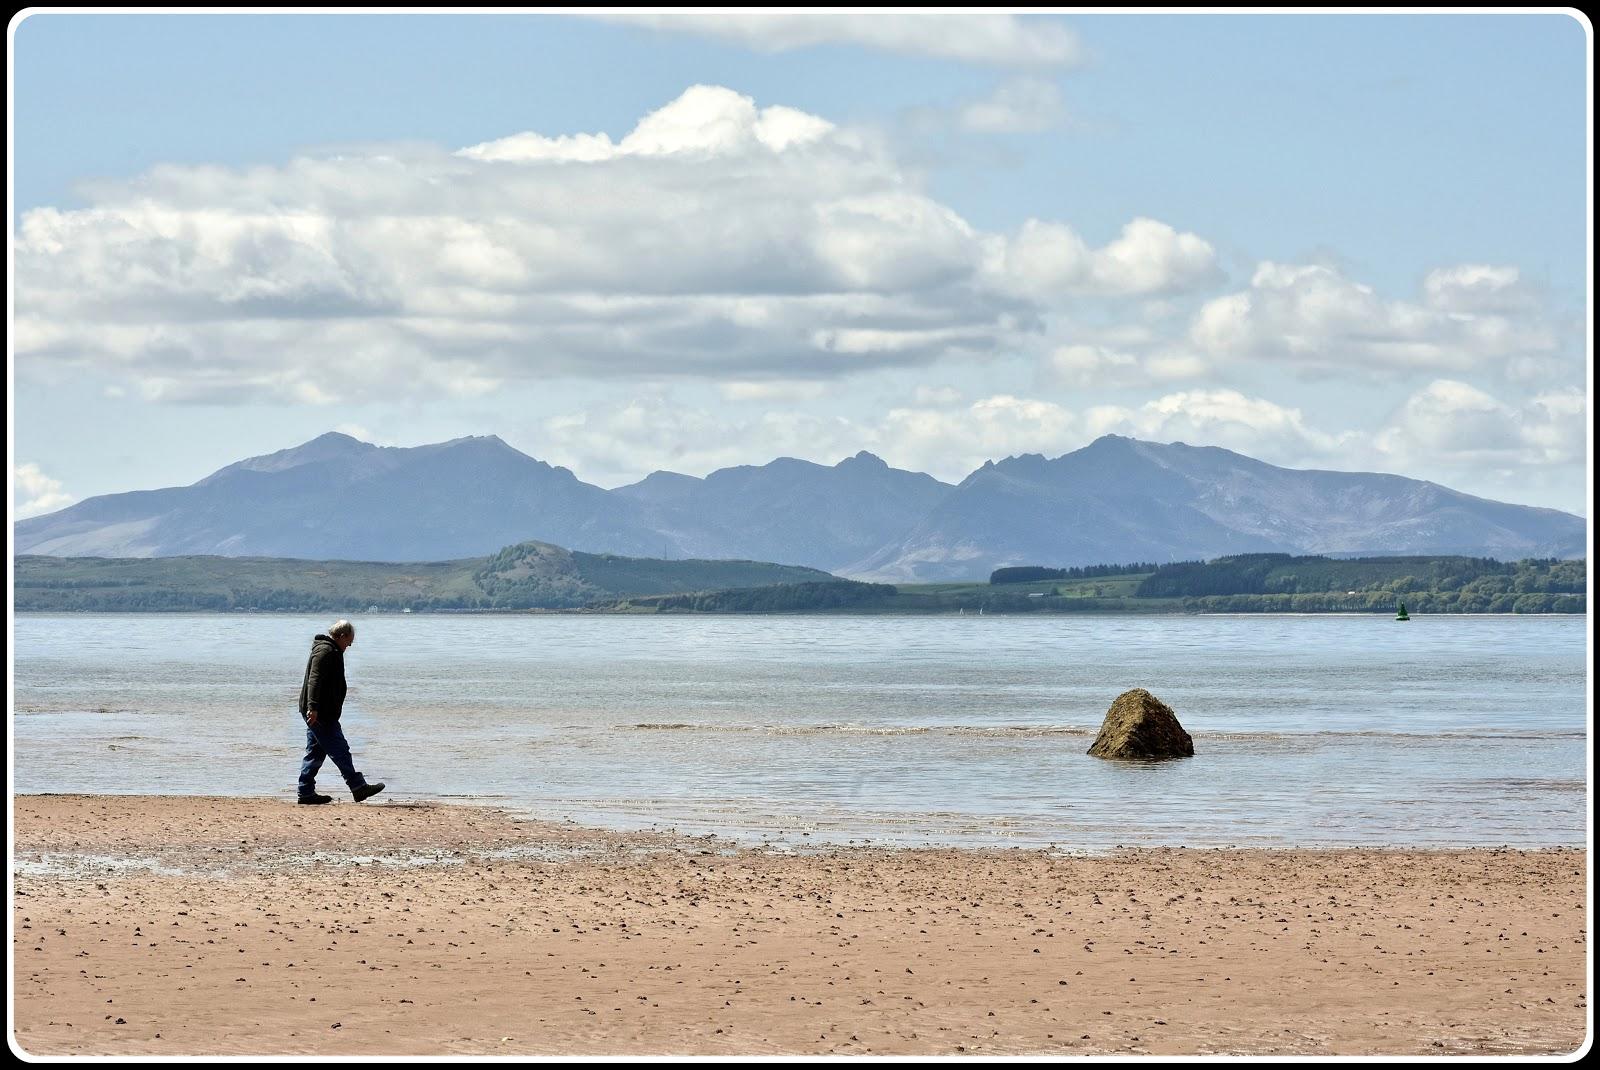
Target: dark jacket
x,y
323,689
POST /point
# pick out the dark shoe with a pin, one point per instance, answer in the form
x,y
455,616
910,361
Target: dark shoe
x,y
366,791
313,800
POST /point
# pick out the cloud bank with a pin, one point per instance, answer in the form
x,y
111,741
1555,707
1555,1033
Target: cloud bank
x,y
1448,431
771,253
716,239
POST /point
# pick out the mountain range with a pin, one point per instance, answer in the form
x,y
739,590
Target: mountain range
x,y
1115,500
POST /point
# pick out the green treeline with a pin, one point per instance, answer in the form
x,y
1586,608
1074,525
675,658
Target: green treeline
x,y
848,596
1283,583
1380,602
1035,573
778,598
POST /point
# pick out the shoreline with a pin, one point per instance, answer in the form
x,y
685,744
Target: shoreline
x,y
253,926
813,839
575,612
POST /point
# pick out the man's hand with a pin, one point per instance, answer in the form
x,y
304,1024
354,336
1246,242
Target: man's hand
x,y
311,718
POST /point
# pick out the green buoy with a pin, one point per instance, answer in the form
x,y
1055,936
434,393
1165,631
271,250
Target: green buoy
x,y
1402,614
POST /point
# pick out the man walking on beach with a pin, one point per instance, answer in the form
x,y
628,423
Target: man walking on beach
x,y
321,700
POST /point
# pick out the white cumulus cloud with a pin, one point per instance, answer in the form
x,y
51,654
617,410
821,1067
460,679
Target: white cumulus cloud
x,y
1455,423
705,119
1090,366
717,239
1313,316
1531,450
1049,262
1251,425
34,493
1478,288
1019,106
1099,367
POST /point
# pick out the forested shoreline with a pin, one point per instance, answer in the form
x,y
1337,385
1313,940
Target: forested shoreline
x,y
541,577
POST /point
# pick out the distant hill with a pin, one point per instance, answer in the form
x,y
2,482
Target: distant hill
x,y
1115,501
339,498
529,575
1121,500
789,510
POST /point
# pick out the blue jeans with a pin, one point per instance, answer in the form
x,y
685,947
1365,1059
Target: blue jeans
x,y
327,740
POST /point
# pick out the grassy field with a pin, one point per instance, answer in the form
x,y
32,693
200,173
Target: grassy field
x,y
1097,587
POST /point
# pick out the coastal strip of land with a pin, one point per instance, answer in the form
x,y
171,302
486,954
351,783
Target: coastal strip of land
x,y
539,577
199,926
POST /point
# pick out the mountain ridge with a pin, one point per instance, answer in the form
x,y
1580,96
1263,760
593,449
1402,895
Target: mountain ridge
x,y
1114,500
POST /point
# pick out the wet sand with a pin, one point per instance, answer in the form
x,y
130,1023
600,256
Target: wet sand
x,y
187,926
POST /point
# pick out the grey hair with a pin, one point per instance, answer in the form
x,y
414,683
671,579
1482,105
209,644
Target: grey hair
x,y
341,628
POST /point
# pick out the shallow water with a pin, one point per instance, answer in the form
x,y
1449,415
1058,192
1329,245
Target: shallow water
x,y
1309,730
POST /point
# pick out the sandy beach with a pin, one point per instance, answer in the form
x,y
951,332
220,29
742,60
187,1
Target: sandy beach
x,y
195,926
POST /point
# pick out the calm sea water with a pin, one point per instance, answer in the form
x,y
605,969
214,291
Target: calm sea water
x,y
1336,730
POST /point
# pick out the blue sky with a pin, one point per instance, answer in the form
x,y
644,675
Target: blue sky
x,y
1352,242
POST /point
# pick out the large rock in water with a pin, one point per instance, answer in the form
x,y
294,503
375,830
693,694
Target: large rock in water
x,y
1139,725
